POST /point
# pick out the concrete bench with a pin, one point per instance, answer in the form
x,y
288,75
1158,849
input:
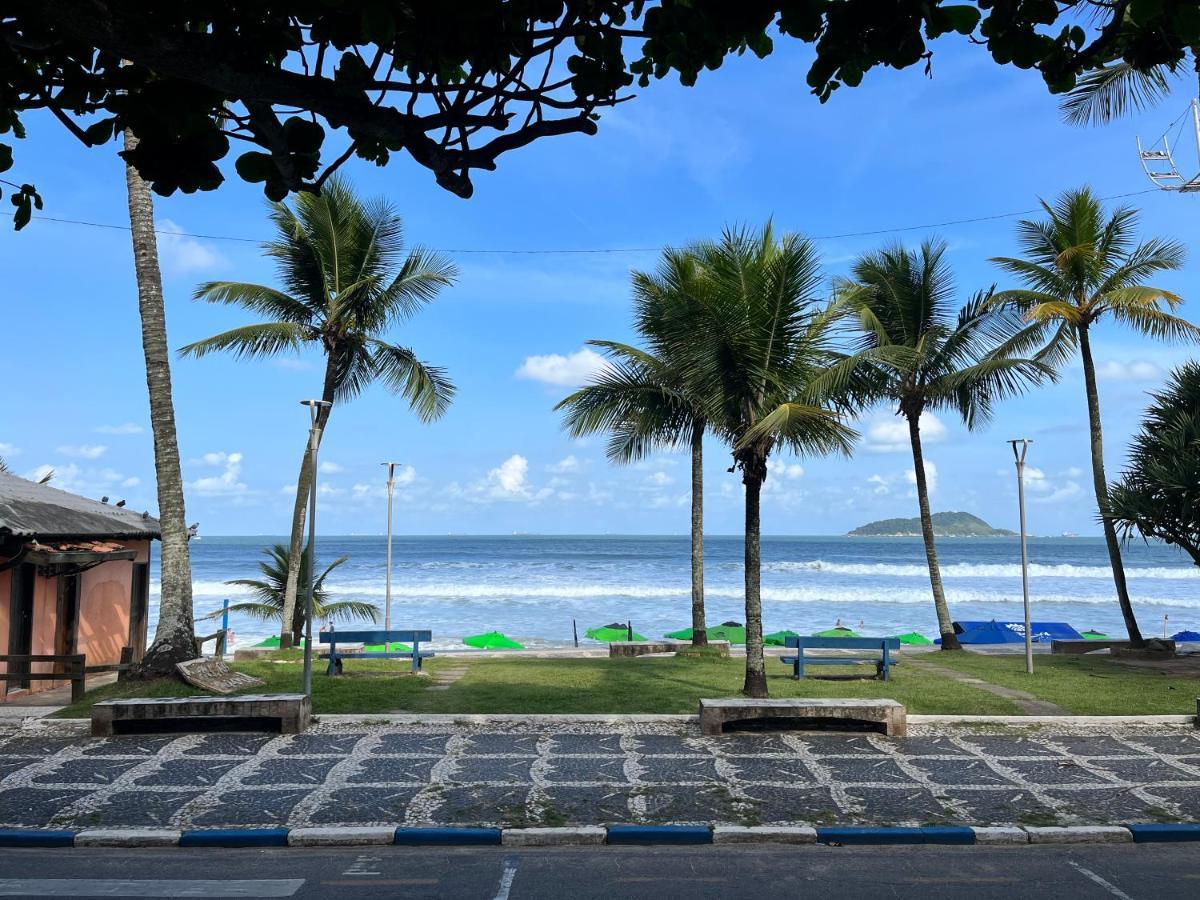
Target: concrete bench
x,y
642,648
882,646
739,714
1065,646
279,713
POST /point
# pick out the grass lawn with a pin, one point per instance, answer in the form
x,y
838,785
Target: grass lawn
x,y
524,685
1085,685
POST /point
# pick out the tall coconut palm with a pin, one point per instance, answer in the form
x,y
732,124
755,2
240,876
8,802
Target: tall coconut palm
x,y
346,280
174,636
922,354
642,401
752,343
269,591
1080,266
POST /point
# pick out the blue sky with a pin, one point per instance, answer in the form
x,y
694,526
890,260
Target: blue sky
x,y
675,164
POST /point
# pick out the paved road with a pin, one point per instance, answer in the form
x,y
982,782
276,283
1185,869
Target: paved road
x,y
1133,872
593,774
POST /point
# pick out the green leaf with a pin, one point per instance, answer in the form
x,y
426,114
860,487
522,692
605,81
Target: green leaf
x,y
255,166
963,19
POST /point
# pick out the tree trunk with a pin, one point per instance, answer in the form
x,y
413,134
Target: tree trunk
x,y
1101,485
754,472
945,627
174,637
699,629
288,626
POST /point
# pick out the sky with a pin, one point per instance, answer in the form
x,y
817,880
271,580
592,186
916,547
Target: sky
x,y
675,164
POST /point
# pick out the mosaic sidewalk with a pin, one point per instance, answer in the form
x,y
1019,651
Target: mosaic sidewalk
x,y
595,774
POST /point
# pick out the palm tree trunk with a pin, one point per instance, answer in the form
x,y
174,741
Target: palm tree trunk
x,y
1100,483
945,627
289,627
754,472
699,629
174,637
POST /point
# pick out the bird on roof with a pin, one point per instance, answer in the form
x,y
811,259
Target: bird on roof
x,y
103,499
120,503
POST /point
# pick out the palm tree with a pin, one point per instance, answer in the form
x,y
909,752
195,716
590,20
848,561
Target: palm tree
x,y
641,399
174,636
921,354
1158,495
346,280
1080,266
752,341
269,592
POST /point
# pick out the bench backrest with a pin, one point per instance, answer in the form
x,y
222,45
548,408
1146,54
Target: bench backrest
x,y
843,643
375,637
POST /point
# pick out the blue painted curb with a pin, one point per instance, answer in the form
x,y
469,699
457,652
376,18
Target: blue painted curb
x,y
235,837
1163,834
869,835
659,834
24,837
947,834
448,837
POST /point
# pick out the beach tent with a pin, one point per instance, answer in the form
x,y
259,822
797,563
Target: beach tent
x,y
614,631
1092,635
840,631
272,641
492,640
990,633
778,638
393,647
1042,631
913,638
734,632
1186,636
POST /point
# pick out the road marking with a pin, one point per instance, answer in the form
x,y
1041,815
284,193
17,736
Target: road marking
x,y
116,887
393,882
652,879
506,877
360,867
1107,885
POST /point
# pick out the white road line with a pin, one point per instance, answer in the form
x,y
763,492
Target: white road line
x,y
1092,876
506,877
115,887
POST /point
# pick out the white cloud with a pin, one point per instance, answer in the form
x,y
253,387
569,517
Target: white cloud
x,y
83,451
9,449
879,485
659,479
931,476
225,483
123,428
788,471
179,253
566,465
508,478
890,434
329,467
562,371
131,481
1134,370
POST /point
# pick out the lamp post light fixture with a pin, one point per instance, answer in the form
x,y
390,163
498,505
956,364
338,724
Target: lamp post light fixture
x,y
387,608
314,440
1020,447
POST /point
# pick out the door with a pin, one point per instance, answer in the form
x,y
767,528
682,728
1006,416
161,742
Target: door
x,y
20,623
139,606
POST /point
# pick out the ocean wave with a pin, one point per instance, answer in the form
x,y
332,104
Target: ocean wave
x,y
981,570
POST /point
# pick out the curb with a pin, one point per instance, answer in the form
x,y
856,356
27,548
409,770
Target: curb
x,y
614,835
659,834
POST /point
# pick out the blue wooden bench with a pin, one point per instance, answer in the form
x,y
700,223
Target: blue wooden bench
x,y
386,638
882,646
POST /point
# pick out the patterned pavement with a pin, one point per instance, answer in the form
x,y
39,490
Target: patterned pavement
x,y
595,774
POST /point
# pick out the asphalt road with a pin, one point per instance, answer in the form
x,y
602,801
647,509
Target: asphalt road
x,y
1160,872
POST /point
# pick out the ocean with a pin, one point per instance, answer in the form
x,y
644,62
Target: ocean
x,y
534,587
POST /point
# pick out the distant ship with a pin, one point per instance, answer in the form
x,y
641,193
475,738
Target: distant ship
x,y
1069,534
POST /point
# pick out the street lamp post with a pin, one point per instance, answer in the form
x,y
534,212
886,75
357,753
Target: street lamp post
x,y
387,608
314,408
1019,454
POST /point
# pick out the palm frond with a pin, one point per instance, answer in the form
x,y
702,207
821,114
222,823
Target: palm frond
x,y
1114,91
428,390
261,340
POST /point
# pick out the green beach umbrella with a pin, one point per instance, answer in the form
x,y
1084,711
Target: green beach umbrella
x,y
272,641
492,640
1092,635
778,638
683,634
836,632
734,632
614,631
394,647
913,638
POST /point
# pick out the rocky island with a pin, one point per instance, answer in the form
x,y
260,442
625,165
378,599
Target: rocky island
x,y
945,524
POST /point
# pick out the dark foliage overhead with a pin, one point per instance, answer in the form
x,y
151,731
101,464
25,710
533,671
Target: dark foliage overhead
x,y
455,85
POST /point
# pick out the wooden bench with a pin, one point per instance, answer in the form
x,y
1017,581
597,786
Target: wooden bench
x,y
280,713
882,646
386,638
